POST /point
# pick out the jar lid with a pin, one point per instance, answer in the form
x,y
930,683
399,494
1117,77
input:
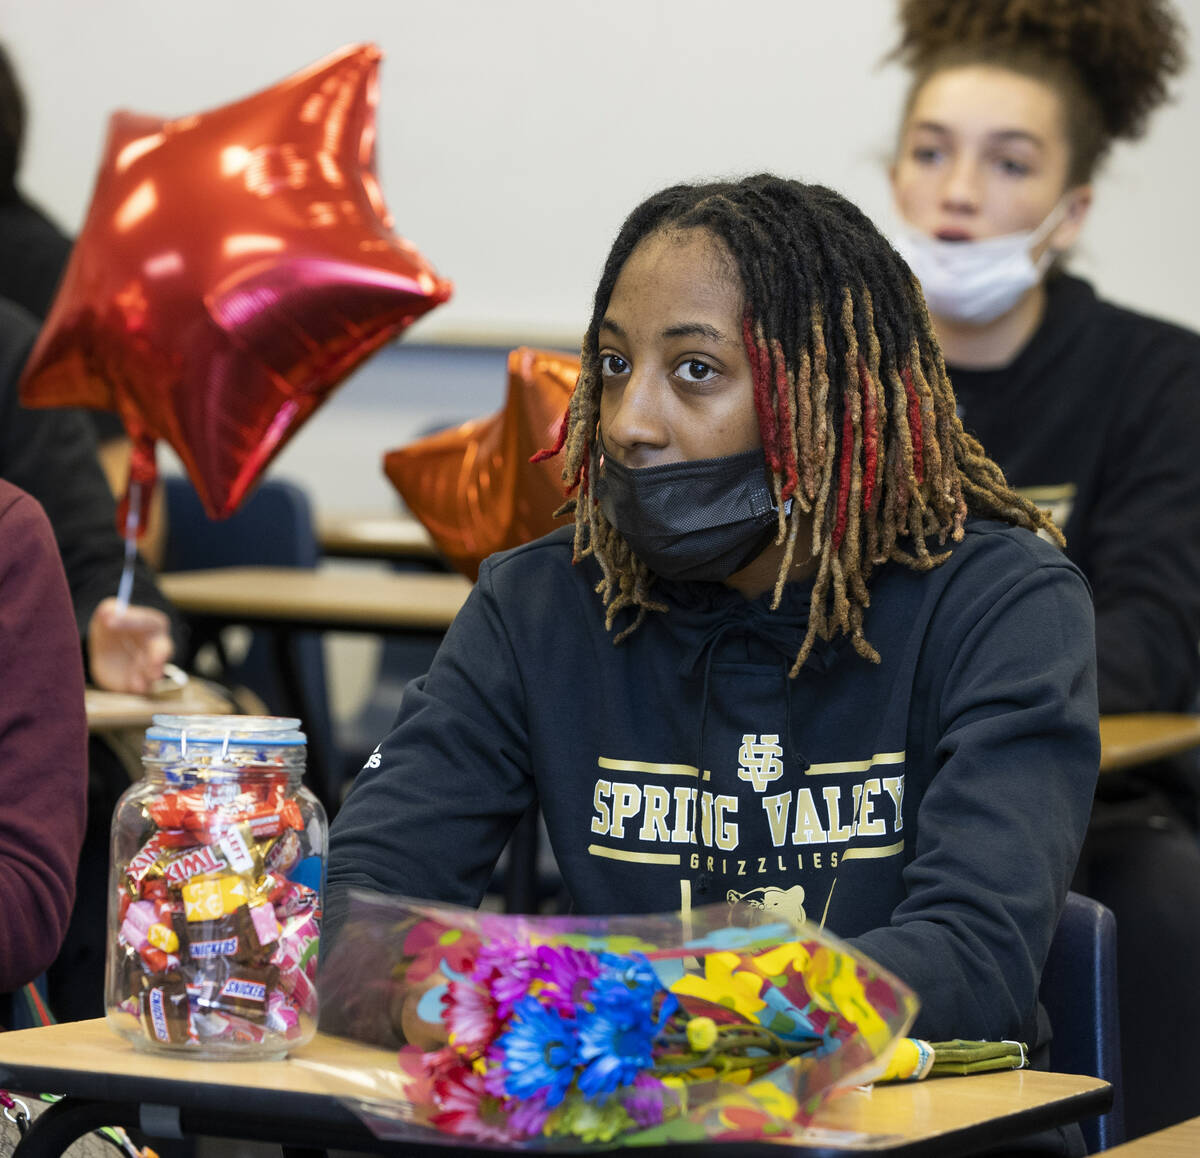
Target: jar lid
x,y
261,731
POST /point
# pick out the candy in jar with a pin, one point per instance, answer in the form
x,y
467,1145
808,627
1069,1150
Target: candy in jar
x,y
215,891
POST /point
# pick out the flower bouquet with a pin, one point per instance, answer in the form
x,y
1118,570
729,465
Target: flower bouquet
x,y
575,1032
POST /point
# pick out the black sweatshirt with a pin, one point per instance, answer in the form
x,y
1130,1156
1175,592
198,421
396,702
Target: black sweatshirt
x,y
930,808
1098,417
51,453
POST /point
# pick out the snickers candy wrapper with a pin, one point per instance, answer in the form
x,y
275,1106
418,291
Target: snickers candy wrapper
x,y
166,1010
244,990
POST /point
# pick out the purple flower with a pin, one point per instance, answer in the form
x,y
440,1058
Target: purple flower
x,y
527,1116
643,1100
564,977
538,1052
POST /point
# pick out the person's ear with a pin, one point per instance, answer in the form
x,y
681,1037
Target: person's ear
x,y
1078,201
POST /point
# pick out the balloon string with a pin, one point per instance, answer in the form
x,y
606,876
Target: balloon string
x,y
132,515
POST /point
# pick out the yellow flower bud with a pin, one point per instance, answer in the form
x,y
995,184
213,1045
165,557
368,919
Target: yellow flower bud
x,y
701,1034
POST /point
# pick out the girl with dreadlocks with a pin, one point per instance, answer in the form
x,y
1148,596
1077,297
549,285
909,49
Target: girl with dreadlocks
x,y
801,647
1089,408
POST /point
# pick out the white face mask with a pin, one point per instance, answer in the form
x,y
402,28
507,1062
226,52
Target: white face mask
x,y
977,281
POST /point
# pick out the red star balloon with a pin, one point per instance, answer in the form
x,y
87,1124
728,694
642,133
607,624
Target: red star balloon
x,y
473,487
233,268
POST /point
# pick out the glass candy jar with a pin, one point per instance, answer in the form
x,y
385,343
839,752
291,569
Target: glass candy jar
x,y
215,891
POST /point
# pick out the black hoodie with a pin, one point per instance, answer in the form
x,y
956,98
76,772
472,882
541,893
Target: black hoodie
x,y
1096,418
929,808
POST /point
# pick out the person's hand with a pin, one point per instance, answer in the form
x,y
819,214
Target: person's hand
x,y
127,649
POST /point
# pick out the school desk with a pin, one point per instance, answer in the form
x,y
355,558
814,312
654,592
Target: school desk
x,y
1140,737
384,537
1179,1141
324,599
294,1102
107,711
284,600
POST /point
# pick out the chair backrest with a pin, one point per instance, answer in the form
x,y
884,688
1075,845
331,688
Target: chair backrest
x,y
273,527
1079,993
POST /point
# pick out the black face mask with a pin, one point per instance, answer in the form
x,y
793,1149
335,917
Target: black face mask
x,y
704,519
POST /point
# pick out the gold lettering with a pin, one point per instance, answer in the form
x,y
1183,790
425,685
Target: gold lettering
x,y
627,802
777,809
868,824
838,831
695,861
710,864
706,819
816,860
741,868
762,864
779,861
600,821
654,819
895,789
684,830
808,828
727,830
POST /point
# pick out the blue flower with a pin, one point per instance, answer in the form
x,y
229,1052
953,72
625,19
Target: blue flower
x,y
633,971
538,1052
615,1042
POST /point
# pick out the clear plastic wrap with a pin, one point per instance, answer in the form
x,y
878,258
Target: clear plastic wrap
x,y
566,1033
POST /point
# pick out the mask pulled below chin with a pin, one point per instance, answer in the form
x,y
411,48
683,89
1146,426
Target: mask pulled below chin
x,y
700,520
977,281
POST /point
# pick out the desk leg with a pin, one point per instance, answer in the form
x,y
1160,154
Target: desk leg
x,y
68,1120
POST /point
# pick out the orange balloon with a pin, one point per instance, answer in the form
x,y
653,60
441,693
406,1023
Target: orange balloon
x,y
233,268
473,487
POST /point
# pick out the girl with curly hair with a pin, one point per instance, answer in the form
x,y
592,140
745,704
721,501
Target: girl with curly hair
x,y
1090,409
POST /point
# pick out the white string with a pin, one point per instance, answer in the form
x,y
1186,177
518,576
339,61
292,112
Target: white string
x,y
132,516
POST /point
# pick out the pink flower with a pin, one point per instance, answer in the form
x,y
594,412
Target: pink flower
x,y
465,1107
441,1063
471,1016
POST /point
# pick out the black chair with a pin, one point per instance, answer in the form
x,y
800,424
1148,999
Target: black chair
x,y
273,527
1079,992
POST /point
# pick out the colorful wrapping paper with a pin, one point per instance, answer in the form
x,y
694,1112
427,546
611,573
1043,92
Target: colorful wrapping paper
x,y
569,1033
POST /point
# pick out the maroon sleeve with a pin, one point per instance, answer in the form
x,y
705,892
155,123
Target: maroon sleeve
x,y
43,742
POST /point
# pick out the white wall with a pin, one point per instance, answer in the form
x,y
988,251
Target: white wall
x,y
515,135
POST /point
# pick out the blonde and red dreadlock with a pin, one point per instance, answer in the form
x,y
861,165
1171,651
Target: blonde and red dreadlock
x,y
854,407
